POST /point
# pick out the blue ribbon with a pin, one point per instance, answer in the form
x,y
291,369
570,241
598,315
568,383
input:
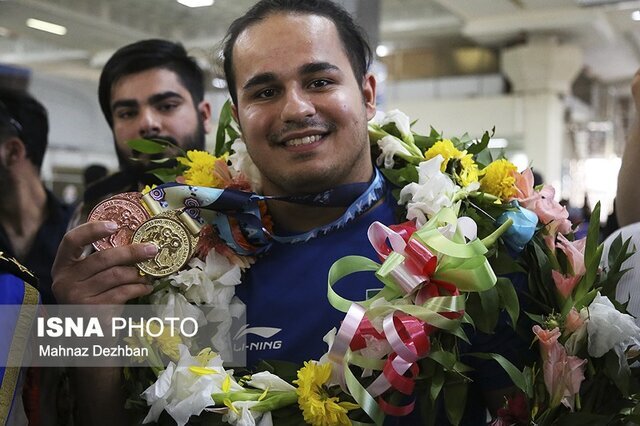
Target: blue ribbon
x,y
216,206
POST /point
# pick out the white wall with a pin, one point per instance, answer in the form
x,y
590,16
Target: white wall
x,y
78,133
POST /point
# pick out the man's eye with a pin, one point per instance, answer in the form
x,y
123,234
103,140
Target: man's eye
x,y
266,93
124,114
316,84
167,107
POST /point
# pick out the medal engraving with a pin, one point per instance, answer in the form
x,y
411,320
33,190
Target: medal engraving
x,y
174,241
123,209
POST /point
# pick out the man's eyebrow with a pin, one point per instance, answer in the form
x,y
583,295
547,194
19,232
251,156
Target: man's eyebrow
x,y
257,80
124,103
315,67
159,97
153,99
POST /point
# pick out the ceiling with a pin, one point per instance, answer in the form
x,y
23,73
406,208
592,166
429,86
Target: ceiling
x,y
604,30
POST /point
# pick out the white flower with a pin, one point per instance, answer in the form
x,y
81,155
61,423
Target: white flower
x,y
609,329
265,380
397,117
211,282
223,316
183,391
241,162
434,191
390,146
243,416
174,305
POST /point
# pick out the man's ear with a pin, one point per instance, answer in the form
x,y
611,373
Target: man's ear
x,y
204,108
12,151
369,94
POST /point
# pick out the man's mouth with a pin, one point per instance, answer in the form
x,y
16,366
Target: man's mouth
x,y
305,140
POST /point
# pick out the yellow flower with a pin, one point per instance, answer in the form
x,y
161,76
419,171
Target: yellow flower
x,y
499,179
457,163
167,343
318,408
200,169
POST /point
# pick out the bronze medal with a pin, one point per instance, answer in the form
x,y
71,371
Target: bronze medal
x,y
175,240
123,209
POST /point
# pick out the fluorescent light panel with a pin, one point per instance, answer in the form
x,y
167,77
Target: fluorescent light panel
x,y
635,15
49,27
196,3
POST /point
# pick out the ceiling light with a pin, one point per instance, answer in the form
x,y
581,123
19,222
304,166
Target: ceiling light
x,y
4,32
46,26
382,50
635,15
196,3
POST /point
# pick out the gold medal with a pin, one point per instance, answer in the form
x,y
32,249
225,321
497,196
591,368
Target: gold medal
x,y
175,234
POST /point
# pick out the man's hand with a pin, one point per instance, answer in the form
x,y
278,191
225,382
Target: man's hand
x,y
104,277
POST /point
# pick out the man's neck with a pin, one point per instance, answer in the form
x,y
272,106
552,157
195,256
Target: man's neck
x,y
302,218
22,212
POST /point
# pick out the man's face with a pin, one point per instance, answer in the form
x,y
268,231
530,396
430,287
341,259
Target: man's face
x,y
153,103
302,113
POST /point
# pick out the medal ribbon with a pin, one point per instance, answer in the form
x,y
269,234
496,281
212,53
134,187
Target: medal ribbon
x,y
226,208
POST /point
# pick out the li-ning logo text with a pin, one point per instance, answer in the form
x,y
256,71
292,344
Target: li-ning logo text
x,y
90,327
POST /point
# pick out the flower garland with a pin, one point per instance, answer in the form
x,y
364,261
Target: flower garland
x,y
468,216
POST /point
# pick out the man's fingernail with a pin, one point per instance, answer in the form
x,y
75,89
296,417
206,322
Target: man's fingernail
x,y
150,249
111,226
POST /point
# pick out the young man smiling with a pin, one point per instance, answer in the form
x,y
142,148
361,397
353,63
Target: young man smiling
x,y
297,75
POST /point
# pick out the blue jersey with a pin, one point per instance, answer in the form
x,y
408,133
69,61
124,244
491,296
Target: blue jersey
x,y
285,292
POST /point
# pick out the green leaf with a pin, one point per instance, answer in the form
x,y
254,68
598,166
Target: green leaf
x,y
480,146
225,121
437,381
165,175
455,397
508,299
490,302
146,146
517,377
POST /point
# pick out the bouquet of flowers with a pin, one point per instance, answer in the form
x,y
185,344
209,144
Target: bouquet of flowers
x,y
470,226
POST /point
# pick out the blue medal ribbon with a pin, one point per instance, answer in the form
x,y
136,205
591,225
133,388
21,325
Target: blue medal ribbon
x,y
217,206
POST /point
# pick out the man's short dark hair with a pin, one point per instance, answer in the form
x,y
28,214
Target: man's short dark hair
x,y
351,35
23,116
145,55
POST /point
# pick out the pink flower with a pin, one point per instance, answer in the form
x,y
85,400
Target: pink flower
x,y
573,321
563,375
565,283
549,210
574,250
525,193
547,338
550,242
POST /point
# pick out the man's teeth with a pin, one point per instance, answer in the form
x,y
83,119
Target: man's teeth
x,y
303,141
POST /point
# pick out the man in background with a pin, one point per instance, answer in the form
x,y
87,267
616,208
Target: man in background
x,y
32,220
149,89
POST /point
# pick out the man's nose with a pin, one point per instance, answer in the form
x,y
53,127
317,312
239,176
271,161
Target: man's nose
x,y
297,105
149,123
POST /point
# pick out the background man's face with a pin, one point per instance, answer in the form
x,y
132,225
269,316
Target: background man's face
x,y
302,113
153,103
